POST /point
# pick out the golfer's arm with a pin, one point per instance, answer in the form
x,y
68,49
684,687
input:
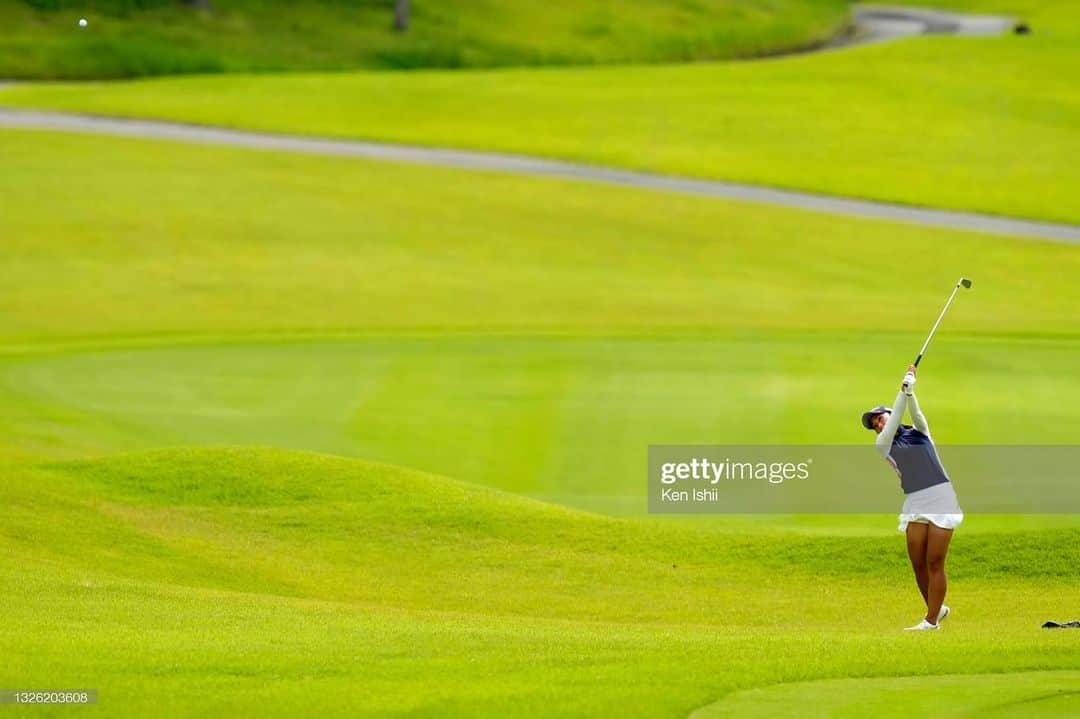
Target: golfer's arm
x,y
884,440
917,417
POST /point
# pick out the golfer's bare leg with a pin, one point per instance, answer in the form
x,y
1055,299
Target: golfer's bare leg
x,y
916,549
937,546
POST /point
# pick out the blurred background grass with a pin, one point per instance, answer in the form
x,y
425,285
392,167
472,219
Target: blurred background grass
x,y
974,123
155,37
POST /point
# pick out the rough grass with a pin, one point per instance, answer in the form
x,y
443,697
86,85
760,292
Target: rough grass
x,y
108,237
325,586
986,124
126,39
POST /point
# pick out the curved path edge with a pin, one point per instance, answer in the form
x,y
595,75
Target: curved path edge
x,y
713,708
878,23
536,166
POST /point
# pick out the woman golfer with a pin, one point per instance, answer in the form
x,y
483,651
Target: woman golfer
x,y
931,511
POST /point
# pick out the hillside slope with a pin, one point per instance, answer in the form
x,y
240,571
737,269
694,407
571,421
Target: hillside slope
x,y
155,37
971,123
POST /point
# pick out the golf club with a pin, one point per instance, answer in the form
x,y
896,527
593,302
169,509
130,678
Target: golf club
x,y
963,282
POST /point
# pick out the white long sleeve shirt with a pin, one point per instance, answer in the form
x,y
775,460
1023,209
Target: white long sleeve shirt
x,y
910,450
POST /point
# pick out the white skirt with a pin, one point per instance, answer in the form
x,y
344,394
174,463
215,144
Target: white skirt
x,y
937,505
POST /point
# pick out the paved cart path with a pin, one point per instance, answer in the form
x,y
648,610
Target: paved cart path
x,y
526,165
877,23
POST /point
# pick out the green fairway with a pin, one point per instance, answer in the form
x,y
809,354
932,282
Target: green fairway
x,y
179,321
1022,695
157,37
507,331
986,124
566,419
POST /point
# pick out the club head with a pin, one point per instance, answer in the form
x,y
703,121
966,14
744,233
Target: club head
x,y
965,282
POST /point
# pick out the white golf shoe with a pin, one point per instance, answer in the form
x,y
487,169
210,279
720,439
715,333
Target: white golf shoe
x,y
921,626
943,613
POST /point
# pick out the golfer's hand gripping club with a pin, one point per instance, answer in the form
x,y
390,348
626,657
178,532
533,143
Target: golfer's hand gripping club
x,y
908,383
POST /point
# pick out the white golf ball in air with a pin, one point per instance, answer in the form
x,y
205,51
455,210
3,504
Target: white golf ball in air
x,y
82,22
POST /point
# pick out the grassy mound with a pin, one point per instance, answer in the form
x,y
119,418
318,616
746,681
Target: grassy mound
x,y
307,523
158,37
299,582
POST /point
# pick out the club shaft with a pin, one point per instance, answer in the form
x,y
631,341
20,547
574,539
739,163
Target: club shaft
x,y
938,322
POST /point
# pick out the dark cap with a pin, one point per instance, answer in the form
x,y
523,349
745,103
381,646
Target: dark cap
x,y
868,416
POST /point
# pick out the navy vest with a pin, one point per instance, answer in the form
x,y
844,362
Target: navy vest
x,y
916,460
